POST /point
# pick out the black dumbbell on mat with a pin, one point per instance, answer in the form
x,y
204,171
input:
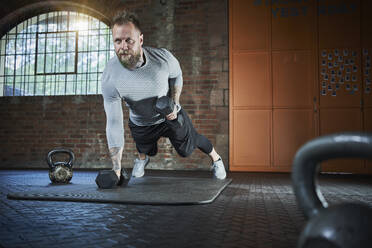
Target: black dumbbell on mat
x,y
107,179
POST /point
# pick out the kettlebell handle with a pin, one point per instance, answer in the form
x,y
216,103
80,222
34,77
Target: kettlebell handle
x,y
69,163
306,163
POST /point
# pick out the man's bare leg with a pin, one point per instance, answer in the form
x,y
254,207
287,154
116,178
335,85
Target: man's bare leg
x,y
142,156
214,155
116,155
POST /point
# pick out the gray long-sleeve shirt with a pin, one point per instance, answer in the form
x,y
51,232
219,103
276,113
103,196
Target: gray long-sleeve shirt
x,y
146,82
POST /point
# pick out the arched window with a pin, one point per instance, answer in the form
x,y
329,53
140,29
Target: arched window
x,y
57,53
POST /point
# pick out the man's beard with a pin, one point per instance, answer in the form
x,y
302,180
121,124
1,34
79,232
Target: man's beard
x,y
131,61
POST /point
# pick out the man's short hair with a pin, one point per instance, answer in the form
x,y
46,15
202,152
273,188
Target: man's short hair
x,y
124,17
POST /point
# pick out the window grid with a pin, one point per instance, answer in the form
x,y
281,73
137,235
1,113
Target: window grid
x,y
20,56
55,53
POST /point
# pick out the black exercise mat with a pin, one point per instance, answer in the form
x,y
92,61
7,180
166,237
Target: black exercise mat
x,y
145,190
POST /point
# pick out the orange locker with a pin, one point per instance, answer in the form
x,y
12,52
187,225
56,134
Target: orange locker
x,y
291,129
293,25
293,79
339,23
366,23
368,127
251,81
341,120
251,148
368,119
249,24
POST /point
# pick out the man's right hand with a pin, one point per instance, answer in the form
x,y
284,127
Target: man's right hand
x,y
173,115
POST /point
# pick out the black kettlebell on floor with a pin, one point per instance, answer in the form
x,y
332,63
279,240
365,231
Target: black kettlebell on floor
x,y
343,226
60,172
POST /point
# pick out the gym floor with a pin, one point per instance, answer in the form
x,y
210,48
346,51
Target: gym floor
x,y
255,210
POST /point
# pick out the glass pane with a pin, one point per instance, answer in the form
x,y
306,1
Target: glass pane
x,y
70,62
93,62
8,91
83,41
2,86
50,43
71,46
31,45
52,22
82,62
103,30
80,84
71,82
20,29
49,63
41,43
9,65
62,21
10,47
94,23
31,85
30,65
70,88
102,62
81,88
93,76
40,63
99,85
92,87
20,45
94,33
32,28
60,88
61,43
39,89
2,66
94,42
57,63
49,85
42,23
19,63
2,46
102,43
18,89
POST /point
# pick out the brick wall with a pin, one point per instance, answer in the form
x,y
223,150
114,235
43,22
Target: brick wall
x,y
195,31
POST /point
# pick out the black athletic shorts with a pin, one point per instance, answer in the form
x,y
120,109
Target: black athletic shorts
x,y
183,138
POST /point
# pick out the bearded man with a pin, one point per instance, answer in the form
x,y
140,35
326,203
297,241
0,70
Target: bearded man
x,y
140,75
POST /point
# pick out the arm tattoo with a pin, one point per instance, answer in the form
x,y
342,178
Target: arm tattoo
x,y
115,154
176,93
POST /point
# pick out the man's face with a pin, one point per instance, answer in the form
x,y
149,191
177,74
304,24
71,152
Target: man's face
x,y
128,44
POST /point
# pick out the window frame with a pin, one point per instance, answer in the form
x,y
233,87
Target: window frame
x,y
45,53
89,60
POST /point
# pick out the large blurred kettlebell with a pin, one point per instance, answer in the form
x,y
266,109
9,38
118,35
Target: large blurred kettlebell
x,y
60,172
342,226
